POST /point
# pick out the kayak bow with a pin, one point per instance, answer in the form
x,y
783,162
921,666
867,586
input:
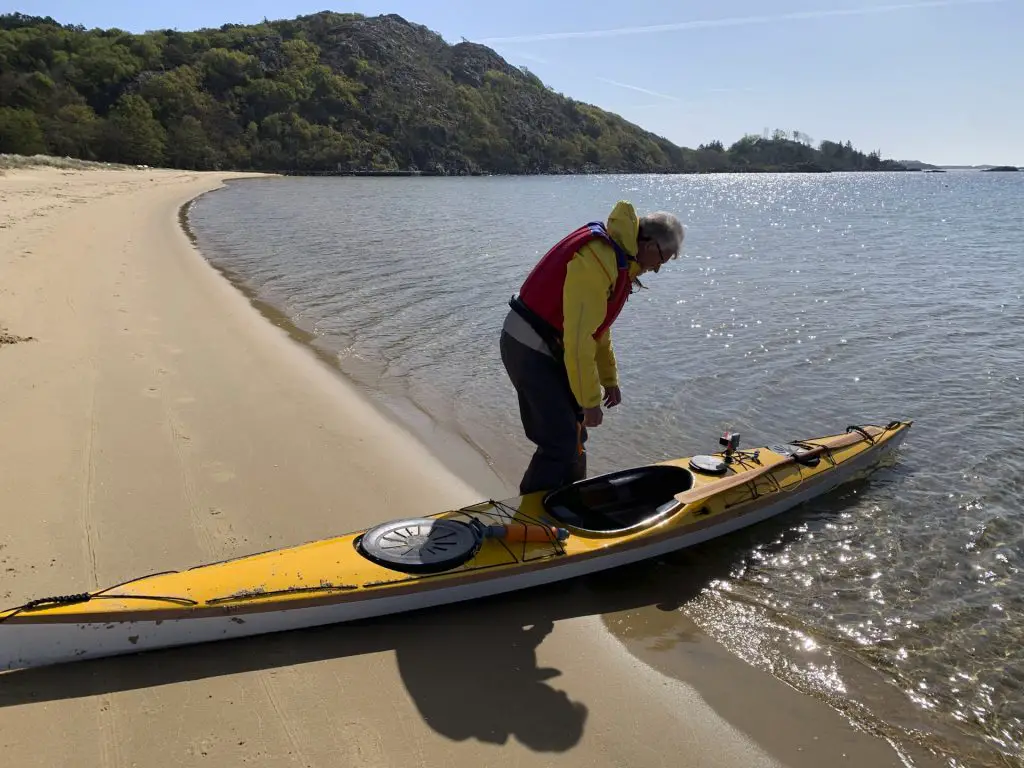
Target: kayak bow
x,y
492,547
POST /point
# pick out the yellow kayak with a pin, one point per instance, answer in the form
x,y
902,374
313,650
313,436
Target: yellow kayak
x,y
408,564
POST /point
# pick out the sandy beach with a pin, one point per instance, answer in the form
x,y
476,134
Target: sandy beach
x,y
152,419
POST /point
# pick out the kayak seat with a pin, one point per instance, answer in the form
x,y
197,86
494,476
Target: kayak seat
x,y
619,500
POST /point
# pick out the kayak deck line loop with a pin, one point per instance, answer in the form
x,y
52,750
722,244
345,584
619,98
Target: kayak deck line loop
x,y
476,551
81,597
857,428
43,603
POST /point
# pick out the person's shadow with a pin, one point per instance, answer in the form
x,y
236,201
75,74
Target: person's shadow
x,y
487,685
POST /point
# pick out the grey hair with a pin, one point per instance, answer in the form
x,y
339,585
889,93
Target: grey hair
x,y
664,229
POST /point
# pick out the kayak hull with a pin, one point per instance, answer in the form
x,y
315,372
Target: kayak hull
x,y
131,622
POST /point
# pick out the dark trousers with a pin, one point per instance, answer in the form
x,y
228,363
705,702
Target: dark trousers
x,y
552,419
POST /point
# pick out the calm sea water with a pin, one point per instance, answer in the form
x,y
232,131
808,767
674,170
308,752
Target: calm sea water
x,y
801,304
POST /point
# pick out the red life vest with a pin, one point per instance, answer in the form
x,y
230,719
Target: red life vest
x,y
541,292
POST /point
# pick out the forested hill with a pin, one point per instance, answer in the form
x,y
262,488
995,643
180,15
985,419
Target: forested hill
x,y
330,92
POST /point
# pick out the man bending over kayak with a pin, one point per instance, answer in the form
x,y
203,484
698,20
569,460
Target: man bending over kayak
x,y
556,341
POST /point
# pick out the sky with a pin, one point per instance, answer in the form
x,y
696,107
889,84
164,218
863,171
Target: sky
x,y
934,80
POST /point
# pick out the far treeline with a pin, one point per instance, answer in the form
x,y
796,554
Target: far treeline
x,y
333,93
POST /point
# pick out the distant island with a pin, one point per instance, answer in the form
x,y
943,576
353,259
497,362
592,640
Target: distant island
x,y
917,165
335,93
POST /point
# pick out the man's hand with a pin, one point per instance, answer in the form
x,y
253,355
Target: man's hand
x,y
612,396
592,417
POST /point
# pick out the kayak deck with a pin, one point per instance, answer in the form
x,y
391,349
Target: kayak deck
x,y
619,512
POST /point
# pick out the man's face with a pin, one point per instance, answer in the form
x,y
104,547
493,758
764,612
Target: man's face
x,y
650,256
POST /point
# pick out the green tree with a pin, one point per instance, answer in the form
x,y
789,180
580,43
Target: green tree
x,y
20,133
224,70
188,146
98,68
74,131
176,93
133,135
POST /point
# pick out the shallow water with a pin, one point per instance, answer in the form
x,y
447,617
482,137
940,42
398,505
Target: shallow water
x,y
801,304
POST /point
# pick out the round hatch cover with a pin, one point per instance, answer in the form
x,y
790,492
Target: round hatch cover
x,y
708,464
419,545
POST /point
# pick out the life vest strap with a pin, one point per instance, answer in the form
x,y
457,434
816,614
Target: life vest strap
x,y
621,257
547,332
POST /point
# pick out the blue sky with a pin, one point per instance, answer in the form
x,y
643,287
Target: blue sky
x,y
933,80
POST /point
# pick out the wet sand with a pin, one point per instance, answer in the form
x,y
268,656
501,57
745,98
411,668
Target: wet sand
x,y
153,419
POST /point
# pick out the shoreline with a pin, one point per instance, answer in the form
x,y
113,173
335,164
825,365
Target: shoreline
x,y
162,421
452,450
579,172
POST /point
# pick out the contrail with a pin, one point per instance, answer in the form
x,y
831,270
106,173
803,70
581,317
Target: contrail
x,y
638,88
735,22
525,56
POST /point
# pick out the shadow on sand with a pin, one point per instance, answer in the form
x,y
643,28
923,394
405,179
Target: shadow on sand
x,y
470,668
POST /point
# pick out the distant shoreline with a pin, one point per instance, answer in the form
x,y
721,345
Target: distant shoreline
x,y
14,161
599,172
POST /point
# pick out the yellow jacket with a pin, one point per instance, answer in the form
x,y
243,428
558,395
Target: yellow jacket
x,y
589,280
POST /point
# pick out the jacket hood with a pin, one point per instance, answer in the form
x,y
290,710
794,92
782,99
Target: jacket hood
x,y
624,225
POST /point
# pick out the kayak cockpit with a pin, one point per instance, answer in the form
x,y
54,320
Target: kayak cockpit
x,y
619,501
